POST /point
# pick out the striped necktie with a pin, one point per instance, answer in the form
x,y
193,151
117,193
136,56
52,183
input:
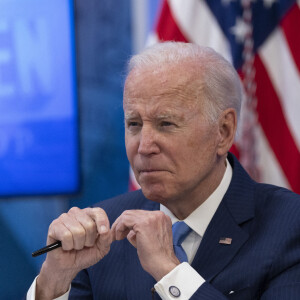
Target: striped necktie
x,y
180,231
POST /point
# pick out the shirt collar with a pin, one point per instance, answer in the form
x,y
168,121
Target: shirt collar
x,y
199,219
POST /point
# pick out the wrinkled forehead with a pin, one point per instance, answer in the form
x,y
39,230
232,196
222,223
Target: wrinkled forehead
x,y
167,80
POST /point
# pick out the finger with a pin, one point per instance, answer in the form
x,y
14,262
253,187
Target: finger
x,y
104,241
123,225
121,231
114,226
59,232
132,238
100,218
114,229
127,221
76,229
87,223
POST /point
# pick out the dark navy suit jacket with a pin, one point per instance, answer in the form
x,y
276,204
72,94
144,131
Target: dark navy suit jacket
x,y
262,262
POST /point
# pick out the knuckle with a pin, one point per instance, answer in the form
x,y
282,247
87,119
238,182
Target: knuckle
x,y
79,232
54,223
63,216
90,225
98,210
74,209
99,213
154,218
126,214
147,221
67,236
123,217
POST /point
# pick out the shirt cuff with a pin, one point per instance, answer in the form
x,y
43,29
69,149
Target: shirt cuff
x,y
182,282
31,292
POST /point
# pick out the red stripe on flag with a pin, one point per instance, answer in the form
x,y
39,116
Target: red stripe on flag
x,y
291,26
132,186
273,122
167,29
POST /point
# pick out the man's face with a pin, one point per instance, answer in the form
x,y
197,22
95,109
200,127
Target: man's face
x,y
170,146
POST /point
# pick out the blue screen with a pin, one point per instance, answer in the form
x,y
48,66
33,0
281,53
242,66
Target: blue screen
x,y
38,106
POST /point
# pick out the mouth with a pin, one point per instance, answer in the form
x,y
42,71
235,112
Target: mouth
x,y
150,171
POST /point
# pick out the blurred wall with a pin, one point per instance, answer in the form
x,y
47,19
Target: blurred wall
x,y
103,40
103,35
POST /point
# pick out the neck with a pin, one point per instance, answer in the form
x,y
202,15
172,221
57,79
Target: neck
x,y
184,206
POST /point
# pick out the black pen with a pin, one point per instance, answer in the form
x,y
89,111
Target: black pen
x,y
46,249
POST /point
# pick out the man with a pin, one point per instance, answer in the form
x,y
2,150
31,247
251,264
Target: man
x,y
181,106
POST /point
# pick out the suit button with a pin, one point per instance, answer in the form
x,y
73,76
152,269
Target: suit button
x,y
174,291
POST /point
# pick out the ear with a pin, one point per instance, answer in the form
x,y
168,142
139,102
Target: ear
x,y
227,130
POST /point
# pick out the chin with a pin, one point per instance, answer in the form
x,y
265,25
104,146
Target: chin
x,y
154,193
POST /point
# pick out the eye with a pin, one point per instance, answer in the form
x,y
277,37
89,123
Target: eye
x,y
132,124
166,124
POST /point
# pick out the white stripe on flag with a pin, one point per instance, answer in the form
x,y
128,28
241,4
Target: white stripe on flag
x,y
199,25
285,78
152,39
271,171
139,19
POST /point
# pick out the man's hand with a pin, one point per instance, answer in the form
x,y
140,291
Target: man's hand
x,y
150,232
86,238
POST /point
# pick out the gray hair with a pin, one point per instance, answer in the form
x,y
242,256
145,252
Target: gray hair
x,y
220,82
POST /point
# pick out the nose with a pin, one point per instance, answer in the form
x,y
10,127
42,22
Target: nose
x,y
148,142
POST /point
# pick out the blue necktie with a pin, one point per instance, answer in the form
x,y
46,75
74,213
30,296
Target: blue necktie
x,y
180,232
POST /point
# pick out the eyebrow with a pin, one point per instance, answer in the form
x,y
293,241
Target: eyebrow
x,y
168,116
129,116
174,114
176,117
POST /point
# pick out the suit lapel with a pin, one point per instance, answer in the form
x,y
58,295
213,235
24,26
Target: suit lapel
x,y
213,256
138,282
236,208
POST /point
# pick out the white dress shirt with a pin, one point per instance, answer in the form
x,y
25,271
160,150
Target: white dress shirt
x,y
184,277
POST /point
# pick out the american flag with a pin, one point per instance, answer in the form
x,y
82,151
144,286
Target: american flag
x,y
225,241
261,38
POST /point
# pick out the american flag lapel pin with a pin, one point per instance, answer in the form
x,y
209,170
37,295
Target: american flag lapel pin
x,y
225,240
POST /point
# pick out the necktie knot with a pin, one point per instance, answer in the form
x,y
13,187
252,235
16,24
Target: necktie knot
x,y
180,232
